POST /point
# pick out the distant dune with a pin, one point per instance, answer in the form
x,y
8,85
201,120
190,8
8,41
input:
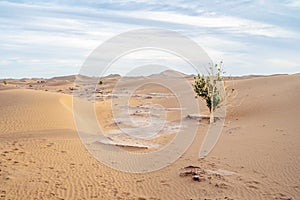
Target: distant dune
x,y
169,74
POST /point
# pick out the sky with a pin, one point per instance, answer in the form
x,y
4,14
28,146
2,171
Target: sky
x,y
54,38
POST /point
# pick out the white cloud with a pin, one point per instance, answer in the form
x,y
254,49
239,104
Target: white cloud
x,y
294,3
227,24
283,62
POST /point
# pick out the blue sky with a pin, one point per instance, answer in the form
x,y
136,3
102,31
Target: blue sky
x,y
53,38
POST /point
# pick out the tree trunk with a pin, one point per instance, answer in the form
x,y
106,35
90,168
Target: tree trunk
x,y
211,117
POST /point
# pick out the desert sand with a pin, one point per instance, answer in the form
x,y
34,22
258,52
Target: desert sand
x,y
256,157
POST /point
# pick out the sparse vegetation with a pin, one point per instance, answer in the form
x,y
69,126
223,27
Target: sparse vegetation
x,y
206,87
100,82
4,82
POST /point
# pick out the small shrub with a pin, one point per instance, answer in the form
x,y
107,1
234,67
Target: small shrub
x,y
206,88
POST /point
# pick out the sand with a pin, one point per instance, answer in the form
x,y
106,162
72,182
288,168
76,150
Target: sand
x,y
256,157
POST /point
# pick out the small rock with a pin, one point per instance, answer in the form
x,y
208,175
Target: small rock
x,y
198,178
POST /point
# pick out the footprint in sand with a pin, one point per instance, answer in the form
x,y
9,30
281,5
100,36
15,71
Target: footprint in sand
x,y
3,194
252,187
222,185
252,184
50,144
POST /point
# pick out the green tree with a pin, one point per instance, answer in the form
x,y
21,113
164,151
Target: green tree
x,y
206,87
4,82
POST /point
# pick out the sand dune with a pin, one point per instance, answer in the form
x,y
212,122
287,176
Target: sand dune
x,y
257,156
